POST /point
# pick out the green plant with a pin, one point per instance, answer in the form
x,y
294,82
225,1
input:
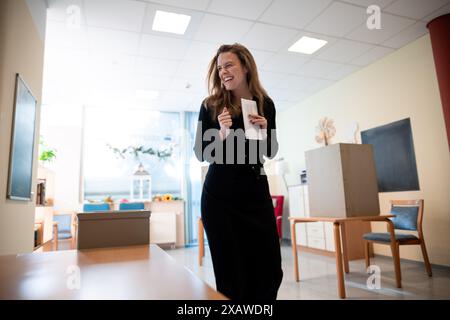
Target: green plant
x,y
46,154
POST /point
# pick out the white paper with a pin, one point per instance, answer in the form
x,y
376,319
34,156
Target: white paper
x,y
252,131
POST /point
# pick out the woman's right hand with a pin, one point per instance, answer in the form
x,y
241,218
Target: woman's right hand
x,y
225,119
225,122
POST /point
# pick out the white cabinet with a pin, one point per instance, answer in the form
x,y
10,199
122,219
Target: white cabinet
x,y
316,243
297,209
315,229
317,235
163,227
167,222
320,235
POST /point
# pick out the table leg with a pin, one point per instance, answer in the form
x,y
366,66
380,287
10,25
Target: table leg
x,y
294,251
201,242
55,236
339,271
344,248
75,235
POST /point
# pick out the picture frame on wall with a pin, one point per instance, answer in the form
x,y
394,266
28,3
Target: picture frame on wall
x,y
20,174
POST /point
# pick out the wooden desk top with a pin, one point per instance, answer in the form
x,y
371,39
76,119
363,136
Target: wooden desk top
x,y
329,219
114,214
134,272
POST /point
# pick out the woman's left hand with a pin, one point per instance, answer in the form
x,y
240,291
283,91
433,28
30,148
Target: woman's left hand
x,y
259,120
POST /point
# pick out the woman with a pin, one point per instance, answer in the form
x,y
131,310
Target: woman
x,y
236,206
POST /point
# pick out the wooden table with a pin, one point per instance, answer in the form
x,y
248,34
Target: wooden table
x,y
341,254
55,235
201,242
134,272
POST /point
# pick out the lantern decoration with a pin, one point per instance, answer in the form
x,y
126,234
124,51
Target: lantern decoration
x,y
141,185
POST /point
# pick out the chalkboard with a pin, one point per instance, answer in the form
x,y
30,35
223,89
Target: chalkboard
x,y
22,143
395,160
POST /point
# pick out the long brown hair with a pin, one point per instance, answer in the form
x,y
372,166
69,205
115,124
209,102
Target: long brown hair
x,y
219,97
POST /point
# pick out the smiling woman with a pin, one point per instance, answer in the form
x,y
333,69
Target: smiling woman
x,y
236,206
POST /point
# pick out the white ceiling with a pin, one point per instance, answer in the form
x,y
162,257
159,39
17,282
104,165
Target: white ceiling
x,y
115,52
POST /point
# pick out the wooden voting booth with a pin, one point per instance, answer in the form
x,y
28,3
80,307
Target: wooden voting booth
x,y
342,183
113,229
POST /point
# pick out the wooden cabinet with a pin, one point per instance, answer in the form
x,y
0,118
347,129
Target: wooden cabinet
x,y
318,236
43,217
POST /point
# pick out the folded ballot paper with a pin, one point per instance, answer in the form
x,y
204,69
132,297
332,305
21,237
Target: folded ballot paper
x,y
252,131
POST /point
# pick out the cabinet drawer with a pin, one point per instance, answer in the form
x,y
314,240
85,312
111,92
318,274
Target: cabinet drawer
x,y
315,229
318,243
300,233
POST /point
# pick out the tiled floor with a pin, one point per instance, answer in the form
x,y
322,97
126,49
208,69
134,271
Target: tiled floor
x,y
318,276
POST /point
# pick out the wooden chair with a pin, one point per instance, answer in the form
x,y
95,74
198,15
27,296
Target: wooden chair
x,y
408,216
132,206
64,227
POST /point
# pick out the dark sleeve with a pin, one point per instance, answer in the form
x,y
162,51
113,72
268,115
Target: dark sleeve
x,y
272,141
204,123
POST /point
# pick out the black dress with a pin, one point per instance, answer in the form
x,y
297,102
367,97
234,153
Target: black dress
x,y
238,214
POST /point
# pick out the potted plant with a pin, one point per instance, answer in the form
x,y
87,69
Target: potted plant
x,y
138,151
46,154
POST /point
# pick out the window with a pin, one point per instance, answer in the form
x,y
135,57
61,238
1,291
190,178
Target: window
x,y
193,177
106,173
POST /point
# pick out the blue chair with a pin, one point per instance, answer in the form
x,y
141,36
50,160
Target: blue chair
x,y
64,225
132,206
90,207
93,207
408,216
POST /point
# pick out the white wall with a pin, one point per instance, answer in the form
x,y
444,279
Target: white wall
x,y
398,86
21,51
61,129
38,11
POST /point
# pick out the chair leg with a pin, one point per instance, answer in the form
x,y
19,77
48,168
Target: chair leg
x,y
395,254
367,253
425,258
396,258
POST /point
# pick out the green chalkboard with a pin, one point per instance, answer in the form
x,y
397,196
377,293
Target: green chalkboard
x,y
22,143
395,160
